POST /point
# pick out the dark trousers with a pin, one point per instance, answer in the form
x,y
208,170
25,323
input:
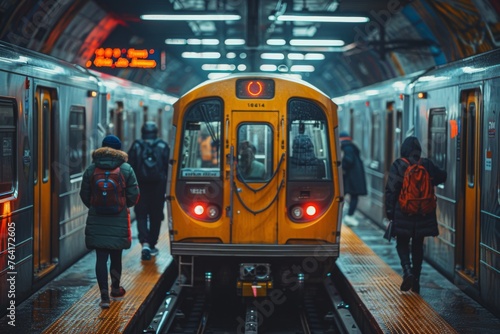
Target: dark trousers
x,y
115,268
149,212
417,252
353,204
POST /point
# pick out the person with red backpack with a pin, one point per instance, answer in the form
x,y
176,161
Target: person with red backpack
x,y
109,188
410,204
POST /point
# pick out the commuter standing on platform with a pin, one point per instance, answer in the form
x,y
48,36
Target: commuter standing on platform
x,y
109,187
149,158
353,175
414,226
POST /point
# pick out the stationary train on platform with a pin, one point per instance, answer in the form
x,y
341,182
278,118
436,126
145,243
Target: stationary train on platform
x,y
256,193
52,116
454,110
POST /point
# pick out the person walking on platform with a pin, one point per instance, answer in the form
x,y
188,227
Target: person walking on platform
x,y
353,175
413,219
109,187
149,158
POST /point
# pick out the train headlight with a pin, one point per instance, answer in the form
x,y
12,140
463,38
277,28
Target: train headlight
x,y
297,212
199,210
212,211
311,210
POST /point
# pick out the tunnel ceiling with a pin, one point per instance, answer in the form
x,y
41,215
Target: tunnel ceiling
x,y
400,37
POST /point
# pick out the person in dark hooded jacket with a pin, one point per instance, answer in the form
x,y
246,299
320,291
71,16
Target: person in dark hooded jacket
x,y
353,175
410,227
149,209
109,234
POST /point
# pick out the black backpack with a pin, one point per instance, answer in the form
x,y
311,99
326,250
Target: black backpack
x,y
151,167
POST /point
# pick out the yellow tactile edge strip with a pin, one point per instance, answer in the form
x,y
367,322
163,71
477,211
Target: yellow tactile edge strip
x,y
138,278
378,287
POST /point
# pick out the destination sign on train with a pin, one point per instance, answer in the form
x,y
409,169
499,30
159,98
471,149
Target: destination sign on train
x,y
126,58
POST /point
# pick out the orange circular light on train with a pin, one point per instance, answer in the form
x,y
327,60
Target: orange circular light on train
x,y
254,88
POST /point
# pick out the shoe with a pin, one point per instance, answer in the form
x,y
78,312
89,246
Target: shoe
x,y
350,221
118,293
104,301
407,278
416,285
146,252
154,251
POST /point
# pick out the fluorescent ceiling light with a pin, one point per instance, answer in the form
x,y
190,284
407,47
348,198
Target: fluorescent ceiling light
x,y
242,67
218,67
268,68
206,55
191,17
316,42
230,55
302,68
205,41
307,56
319,18
276,41
234,41
217,75
273,56
175,41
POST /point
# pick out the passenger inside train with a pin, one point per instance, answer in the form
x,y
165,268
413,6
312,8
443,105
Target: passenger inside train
x,y
248,167
303,161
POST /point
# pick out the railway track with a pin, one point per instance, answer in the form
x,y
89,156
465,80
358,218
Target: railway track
x,y
312,308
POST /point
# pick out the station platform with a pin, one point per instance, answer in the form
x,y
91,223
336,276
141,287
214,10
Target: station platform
x,y
368,263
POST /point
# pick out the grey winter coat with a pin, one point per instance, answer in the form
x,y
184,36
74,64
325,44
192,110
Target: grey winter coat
x,y
410,225
109,231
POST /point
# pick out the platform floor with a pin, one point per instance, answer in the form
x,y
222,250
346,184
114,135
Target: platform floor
x,y
463,313
458,312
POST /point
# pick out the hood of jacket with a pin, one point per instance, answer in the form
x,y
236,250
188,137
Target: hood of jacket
x,y
109,158
411,149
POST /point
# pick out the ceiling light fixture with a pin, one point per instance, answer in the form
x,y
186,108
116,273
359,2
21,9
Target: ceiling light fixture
x,y
318,17
316,42
191,17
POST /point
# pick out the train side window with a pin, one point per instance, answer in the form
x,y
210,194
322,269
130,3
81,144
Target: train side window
x,y
77,147
8,127
308,148
437,137
200,153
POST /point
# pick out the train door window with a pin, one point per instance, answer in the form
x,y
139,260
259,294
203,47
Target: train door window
x,y
200,153
437,137
376,141
8,126
46,140
255,152
77,149
308,149
471,147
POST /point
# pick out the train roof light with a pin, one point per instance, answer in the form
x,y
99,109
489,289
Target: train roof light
x,y
91,93
422,95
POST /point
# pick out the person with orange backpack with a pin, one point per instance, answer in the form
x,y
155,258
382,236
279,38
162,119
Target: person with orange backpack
x,y
410,204
109,188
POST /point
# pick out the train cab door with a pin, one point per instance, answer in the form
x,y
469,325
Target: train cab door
x,y
468,231
44,227
255,192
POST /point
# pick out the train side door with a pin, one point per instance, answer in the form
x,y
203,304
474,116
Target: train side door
x,y
43,227
468,258
255,142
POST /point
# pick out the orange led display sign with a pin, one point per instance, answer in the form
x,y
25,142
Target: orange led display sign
x,y
255,89
124,58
